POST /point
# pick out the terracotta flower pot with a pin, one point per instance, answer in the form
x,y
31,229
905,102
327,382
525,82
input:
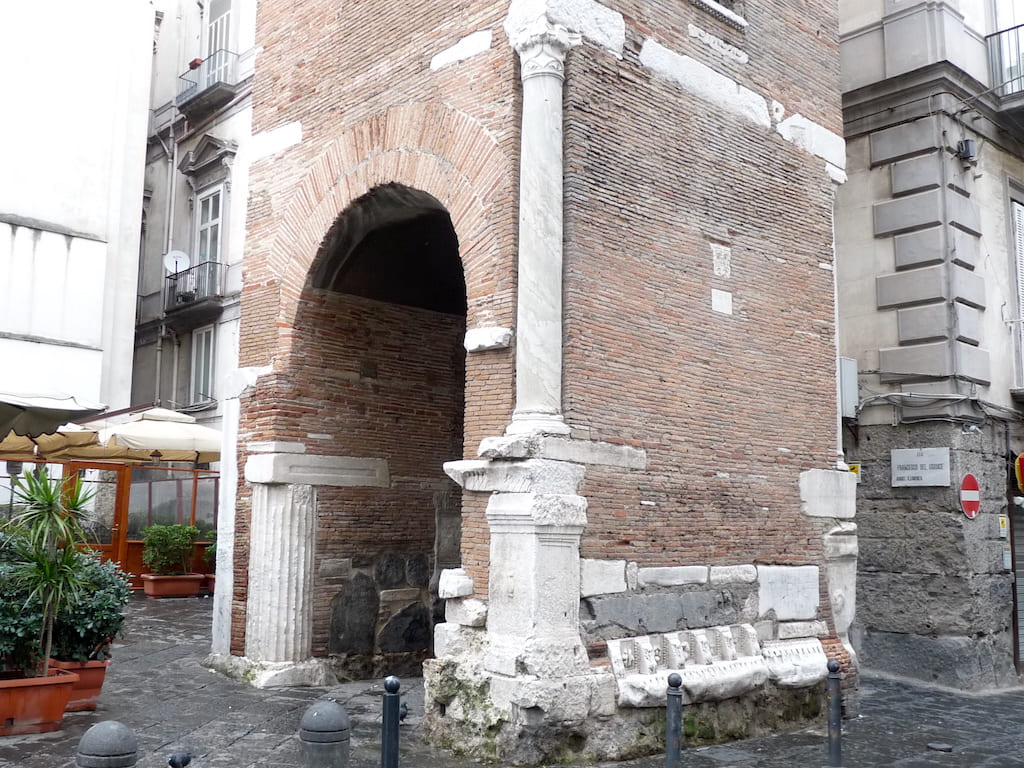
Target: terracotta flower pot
x,y
86,692
211,582
185,585
34,704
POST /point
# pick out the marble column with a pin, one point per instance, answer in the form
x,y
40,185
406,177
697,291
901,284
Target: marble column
x,y
542,47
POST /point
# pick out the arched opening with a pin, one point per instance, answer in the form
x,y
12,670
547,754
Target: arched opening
x,y
380,350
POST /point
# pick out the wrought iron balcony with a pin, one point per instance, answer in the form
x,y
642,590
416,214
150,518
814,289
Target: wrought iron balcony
x,y
1006,68
193,296
208,84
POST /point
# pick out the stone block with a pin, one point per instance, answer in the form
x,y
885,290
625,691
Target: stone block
x,y
903,140
963,213
965,248
972,363
406,631
899,363
673,576
790,630
911,286
919,249
916,174
481,339
602,577
612,616
970,663
968,324
927,323
466,611
733,574
454,582
603,695
456,641
403,595
968,286
303,469
905,214
354,616
336,567
790,591
593,452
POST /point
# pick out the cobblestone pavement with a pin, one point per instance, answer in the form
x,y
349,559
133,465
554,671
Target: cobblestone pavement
x,y
158,688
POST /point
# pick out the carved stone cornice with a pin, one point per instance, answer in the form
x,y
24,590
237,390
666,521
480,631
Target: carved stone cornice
x,y
542,46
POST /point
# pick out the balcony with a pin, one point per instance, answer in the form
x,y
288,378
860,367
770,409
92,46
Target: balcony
x,y
1006,69
192,297
209,84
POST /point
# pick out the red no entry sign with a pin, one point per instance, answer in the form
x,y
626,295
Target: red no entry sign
x,y
970,496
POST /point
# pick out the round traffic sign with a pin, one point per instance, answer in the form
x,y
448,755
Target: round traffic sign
x,y
970,496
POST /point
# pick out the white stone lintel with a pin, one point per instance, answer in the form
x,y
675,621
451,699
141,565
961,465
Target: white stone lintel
x,y
705,83
828,493
467,47
266,143
529,475
814,138
483,339
454,582
602,577
522,446
673,576
303,469
733,574
276,446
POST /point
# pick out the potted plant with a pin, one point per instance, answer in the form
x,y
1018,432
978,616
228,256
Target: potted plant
x,y
85,629
168,551
41,573
210,558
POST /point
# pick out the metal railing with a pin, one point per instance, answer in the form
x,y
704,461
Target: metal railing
x,y
203,281
220,67
1005,63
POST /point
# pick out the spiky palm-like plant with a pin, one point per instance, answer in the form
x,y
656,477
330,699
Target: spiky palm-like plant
x,y
48,529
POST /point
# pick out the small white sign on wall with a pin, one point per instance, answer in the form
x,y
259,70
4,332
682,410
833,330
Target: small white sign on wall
x,y
920,466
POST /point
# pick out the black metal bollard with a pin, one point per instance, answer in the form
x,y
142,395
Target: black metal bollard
x,y
324,735
389,726
835,716
108,744
674,723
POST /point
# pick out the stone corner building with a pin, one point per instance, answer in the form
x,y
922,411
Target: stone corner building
x,y
537,383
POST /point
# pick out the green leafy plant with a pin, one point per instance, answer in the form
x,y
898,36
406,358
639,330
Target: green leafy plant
x,y
167,549
84,630
210,554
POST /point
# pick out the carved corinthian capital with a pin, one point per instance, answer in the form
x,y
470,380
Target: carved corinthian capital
x,y
542,46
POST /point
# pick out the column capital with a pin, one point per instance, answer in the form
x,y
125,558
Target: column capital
x,y
542,46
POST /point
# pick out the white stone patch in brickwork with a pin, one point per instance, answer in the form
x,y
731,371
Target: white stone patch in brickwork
x,y
469,46
705,83
814,138
297,468
721,260
733,574
789,590
721,301
828,493
266,143
454,582
718,45
596,23
593,452
790,630
838,175
722,12
276,446
673,576
632,575
481,339
602,577
466,612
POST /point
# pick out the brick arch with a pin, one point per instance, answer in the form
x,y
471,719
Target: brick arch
x,y
429,147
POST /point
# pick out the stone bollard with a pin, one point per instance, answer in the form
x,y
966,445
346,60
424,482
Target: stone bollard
x,y
835,716
389,723
108,744
324,735
674,722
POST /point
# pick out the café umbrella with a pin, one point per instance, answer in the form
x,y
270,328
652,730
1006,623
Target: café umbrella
x,y
35,415
163,435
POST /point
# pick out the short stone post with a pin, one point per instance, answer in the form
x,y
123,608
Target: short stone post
x,y
835,716
389,725
674,723
108,744
324,735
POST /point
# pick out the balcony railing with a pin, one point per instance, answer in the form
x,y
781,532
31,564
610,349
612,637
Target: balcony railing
x,y
203,281
208,83
1006,65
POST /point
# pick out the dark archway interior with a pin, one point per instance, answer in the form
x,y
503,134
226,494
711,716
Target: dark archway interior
x,y
397,245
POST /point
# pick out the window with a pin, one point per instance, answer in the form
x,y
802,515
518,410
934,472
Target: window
x,y
218,42
202,365
208,223
729,11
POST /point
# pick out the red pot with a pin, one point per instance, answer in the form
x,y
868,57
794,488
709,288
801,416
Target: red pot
x,y
186,585
86,692
34,704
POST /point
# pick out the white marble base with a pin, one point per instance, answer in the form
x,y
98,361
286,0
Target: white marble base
x,y
283,674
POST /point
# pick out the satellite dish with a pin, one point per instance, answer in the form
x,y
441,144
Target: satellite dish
x,y
176,261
